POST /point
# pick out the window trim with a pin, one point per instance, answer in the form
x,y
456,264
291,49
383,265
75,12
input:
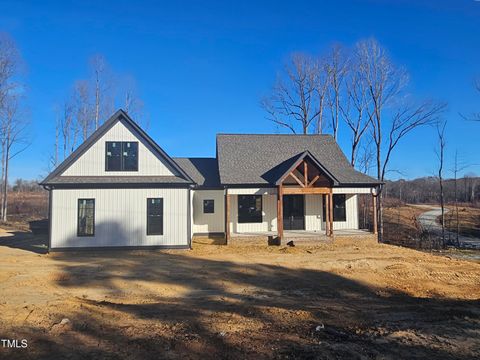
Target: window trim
x,y
344,197
261,210
213,209
78,218
122,166
148,218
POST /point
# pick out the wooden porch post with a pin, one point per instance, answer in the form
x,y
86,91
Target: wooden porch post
x,y
227,216
330,211
280,212
327,215
375,216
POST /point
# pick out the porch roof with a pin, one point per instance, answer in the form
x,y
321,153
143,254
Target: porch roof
x,y
261,159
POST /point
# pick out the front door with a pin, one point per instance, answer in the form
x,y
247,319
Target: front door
x,y
293,212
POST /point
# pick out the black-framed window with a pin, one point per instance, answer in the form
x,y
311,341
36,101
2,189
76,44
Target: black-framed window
x,y
249,208
154,216
86,217
121,156
208,206
339,210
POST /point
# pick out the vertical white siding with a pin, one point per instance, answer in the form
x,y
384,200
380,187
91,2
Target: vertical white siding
x,y
208,223
351,209
92,162
313,212
269,219
120,217
313,215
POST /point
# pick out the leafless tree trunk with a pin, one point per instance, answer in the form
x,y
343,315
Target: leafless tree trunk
x,y
354,108
14,130
322,80
98,65
293,101
102,79
10,61
337,69
441,161
386,85
83,108
458,166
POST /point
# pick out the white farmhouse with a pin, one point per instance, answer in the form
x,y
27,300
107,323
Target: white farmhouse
x,y
120,189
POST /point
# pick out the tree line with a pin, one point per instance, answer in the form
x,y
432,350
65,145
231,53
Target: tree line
x,y
360,87
425,190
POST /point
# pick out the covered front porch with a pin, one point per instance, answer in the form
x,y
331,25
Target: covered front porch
x,y
304,206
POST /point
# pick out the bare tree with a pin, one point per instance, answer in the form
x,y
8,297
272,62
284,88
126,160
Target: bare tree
x,y
10,62
322,80
293,101
441,160
476,115
386,86
354,108
55,157
97,62
337,67
458,166
83,108
102,84
13,142
132,103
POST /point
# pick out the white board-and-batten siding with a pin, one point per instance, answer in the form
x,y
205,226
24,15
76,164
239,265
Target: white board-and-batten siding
x,y
313,215
120,218
92,162
208,223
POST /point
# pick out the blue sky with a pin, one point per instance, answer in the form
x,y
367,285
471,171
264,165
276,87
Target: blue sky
x,y
202,67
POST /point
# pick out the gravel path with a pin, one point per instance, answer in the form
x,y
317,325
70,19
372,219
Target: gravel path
x,y
429,222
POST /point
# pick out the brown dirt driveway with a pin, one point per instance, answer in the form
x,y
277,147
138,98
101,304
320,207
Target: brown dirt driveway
x,y
352,300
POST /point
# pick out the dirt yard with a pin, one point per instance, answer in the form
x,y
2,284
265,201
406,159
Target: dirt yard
x,y
353,300
468,221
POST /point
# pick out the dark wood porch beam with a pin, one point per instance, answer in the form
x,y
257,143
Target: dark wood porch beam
x,y
305,172
227,217
309,190
313,181
280,212
331,211
327,215
297,179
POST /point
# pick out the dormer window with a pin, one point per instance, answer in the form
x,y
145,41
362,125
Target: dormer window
x,y
121,156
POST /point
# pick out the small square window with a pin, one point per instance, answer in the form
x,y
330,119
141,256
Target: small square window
x,y
208,206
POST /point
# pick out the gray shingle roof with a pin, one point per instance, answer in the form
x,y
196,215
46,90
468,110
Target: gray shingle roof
x,y
259,159
203,171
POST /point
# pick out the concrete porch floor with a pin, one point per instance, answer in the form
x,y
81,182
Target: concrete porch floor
x,y
299,237
290,234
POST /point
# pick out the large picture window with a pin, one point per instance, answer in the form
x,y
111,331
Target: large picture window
x,y
86,217
121,156
339,211
154,216
249,208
